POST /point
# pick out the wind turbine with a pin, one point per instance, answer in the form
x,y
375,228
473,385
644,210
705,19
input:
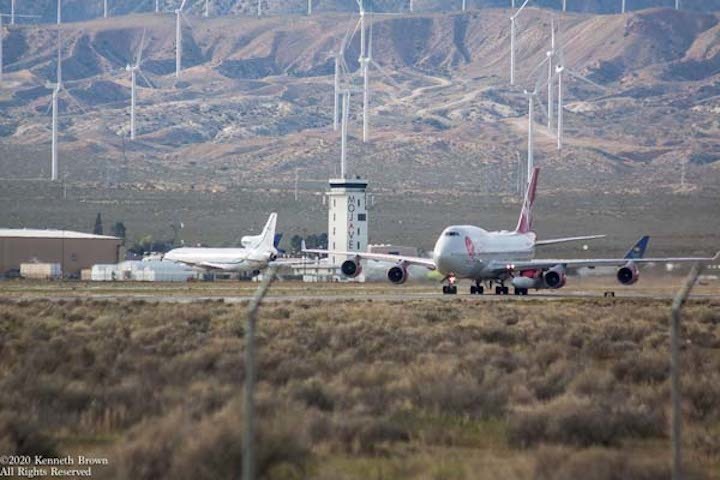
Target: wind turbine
x,y
179,18
134,70
560,69
365,61
513,19
531,96
56,88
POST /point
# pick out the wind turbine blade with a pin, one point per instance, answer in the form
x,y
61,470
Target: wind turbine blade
x,y
147,80
75,102
542,107
138,58
535,70
586,80
187,22
349,35
182,5
59,57
370,40
385,74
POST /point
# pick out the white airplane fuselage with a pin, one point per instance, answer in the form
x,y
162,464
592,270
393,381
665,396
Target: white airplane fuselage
x,y
228,259
466,251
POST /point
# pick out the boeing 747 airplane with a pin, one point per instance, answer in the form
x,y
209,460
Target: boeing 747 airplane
x,y
470,252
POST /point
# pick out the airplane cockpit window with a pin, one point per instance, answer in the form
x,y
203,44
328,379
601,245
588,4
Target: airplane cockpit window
x,y
452,234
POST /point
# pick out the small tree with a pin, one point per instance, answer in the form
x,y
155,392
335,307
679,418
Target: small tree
x,y
296,243
98,230
118,230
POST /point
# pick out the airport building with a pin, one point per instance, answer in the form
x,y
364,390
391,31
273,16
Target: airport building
x,y
74,251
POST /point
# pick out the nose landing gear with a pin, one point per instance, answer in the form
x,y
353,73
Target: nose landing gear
x,y
450,288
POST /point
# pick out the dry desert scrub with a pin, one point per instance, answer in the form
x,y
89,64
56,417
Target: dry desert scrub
x,y
422,389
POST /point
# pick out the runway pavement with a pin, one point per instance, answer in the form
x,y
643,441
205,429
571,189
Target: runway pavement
x,y
398,296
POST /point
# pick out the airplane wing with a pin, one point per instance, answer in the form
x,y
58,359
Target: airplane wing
x,y
379,257
554,241
596,262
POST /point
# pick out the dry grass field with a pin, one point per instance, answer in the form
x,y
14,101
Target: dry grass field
x,y
363,389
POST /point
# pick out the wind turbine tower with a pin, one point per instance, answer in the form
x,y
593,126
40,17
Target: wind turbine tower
x,y
134,69
59,12
206,12
464,5
179,18
56,87
531,131
105,8
623,6
309,7
551,74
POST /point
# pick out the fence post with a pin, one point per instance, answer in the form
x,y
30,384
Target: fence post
x,y
676,433
248,460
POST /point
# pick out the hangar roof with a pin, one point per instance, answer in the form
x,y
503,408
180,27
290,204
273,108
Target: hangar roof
x,y
38,233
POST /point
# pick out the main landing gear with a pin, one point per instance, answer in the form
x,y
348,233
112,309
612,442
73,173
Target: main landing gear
x,y
477,289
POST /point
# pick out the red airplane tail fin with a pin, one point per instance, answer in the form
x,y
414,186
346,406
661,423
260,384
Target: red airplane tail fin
x,y
525,222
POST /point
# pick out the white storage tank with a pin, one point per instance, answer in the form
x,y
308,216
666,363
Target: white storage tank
x,y
41,271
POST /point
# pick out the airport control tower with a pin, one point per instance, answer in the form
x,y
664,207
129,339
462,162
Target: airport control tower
x,y
347,207
347,217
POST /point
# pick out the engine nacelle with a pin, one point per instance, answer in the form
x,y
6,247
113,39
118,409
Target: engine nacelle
x,y
351,268
628,274
527,282
555,277
397,274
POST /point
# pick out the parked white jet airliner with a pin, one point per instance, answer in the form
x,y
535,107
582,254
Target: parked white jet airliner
x,y
466,251
257,253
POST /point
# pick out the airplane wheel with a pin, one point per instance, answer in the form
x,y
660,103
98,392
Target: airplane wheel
x,y
498,290
445,289
480,290
453,290
505,290
524,291
473,290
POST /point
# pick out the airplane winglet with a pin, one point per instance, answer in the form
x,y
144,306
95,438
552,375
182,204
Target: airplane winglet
x,y
716,257
302,245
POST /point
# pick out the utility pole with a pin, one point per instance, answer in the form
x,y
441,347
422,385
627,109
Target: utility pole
x,y
676,433
248,460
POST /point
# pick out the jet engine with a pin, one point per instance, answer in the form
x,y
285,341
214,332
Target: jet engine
x,y
628,274
555,277
397,274
351,268
527,282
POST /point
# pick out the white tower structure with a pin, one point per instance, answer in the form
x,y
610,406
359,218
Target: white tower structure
x,y
347,205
